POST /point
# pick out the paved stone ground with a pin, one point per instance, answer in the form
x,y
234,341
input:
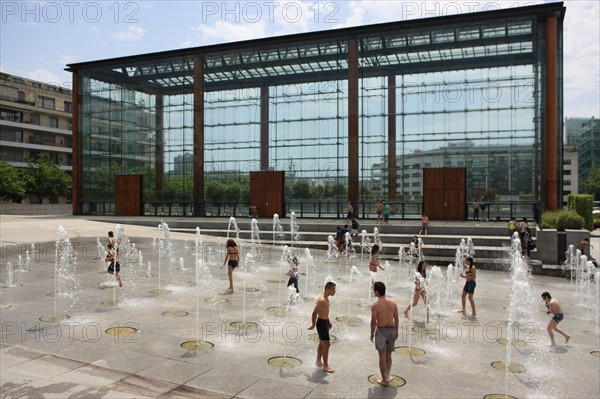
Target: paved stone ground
x,y
77,358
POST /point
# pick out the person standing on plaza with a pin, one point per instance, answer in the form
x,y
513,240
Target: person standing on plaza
x,y
424,225
553,307
386,213
232,259
476,207
512,226
470,274
355,226
350,212
526,243
320,319
522,225
379,210
384,330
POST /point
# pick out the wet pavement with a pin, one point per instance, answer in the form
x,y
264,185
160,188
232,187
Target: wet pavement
x,y
254,343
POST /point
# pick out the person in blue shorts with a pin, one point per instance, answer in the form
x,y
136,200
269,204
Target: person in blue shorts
x,y
553,307
470,274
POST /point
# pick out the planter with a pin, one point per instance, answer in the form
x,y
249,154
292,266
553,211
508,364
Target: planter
x,y
552,244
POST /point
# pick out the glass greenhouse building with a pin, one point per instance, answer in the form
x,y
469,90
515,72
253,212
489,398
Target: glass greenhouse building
x,y
420,113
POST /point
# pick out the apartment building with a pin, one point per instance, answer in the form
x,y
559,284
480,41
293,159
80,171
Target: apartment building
x,y
35,119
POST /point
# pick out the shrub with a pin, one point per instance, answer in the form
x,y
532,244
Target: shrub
x,y
583,204
561,220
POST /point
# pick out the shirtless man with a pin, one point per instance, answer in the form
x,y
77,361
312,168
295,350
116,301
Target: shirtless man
x,y
384,317
554,307
424,225
320,318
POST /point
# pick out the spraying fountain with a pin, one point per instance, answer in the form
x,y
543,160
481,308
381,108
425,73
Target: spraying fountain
x,y
294,228
203,282
254,254
10,283
519,309
278,234
232,226
286,361
165,246
377,239
65,283
571,258
435,291
332,250
22,265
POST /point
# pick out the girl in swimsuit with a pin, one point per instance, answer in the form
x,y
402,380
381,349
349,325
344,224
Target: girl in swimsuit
x,y
232,259
470,275
374,264
420,283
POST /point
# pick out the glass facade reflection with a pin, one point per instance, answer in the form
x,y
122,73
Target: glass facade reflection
x,y
466,91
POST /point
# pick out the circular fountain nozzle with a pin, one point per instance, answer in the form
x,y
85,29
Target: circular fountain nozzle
x,y
197,345
511,368
395,381
410,351
54,318
121,331
284,362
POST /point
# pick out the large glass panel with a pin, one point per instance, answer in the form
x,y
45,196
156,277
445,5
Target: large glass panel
x,y
119,135
231,144
480,119
308,139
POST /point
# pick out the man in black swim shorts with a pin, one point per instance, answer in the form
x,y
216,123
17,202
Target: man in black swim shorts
x,y
320,319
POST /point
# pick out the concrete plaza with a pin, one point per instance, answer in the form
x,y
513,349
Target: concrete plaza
x,y
127,342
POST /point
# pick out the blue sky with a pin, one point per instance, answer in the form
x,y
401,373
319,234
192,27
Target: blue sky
x,y
39,38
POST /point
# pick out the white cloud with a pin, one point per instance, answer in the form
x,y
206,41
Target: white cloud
x,y
582,59
45,76
223,32
132,33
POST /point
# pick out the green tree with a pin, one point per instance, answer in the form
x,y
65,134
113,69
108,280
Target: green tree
x,y
591,185
13,186
300,189
46,180
178,187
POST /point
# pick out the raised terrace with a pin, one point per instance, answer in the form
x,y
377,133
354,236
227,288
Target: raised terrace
x,y
490,239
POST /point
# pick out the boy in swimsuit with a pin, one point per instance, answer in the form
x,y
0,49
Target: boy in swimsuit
x,y
232,259
384,317
320,319
554,307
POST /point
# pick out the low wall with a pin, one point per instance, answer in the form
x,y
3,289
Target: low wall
x,y
36,209
552,244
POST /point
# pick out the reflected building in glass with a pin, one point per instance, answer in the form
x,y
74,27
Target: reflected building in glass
x,y
350,114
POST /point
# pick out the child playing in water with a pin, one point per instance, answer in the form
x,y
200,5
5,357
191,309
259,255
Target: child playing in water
x,y
293,273
232,259
374,264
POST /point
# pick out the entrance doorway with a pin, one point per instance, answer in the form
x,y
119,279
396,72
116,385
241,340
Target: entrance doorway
x,y
128,195
444,193
266,192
